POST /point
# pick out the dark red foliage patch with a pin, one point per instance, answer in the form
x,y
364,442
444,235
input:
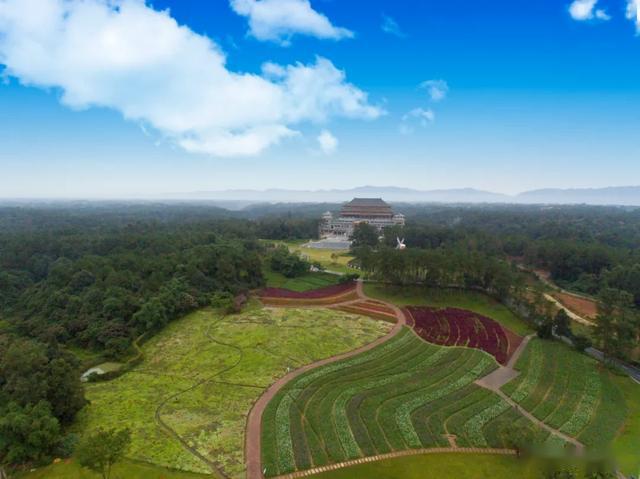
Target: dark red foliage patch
x,y
459,327
326,292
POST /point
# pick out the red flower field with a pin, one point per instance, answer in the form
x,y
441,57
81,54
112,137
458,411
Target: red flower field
x,y
459,327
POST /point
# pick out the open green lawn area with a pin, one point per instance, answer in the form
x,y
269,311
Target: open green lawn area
x,y
404,394
305,282
440,466
202,374
331,259
123,470
570,392
453,298
626,446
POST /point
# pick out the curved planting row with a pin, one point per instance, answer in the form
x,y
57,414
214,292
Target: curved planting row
x,y
459,327
319,293
401,395
569,392
337,293
370,308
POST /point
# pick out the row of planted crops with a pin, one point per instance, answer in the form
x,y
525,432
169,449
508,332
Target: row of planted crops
x,y
569,392
404,394
418,391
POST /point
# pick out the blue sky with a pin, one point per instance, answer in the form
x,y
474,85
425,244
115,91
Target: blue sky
x,y
532,95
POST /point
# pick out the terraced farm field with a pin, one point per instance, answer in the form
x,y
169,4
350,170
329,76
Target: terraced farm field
x,y
569,392
202,374
403,394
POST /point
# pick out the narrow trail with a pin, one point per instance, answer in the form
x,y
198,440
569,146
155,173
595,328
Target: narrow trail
x,y
501,376
254,421
164,426
574,316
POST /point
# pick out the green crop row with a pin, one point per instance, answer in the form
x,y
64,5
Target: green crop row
x,y
393,397
569,392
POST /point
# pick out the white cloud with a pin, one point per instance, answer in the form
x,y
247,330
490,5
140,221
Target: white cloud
x,y
390,26
279,20
582,10
123,55
437,89
633,13
328,142
416,117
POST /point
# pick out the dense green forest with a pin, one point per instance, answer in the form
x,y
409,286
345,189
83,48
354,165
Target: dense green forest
x,y
96,276
584,248
99,277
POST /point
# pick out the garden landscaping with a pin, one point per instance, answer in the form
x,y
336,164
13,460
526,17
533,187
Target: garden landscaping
x,y
459,327
570,392
327,295
201,375
403,394
449,298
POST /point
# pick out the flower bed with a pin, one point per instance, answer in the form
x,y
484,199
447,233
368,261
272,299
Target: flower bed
x,y
459,327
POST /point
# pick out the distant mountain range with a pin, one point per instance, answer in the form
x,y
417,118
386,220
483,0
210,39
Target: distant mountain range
x,y
624,195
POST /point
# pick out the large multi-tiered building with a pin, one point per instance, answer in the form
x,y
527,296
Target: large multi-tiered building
x,y
359,210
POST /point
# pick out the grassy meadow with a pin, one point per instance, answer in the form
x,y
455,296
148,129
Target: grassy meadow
x,y
123,470
302,283
201,375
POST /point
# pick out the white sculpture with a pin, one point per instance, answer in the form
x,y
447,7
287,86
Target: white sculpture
x,y
401,245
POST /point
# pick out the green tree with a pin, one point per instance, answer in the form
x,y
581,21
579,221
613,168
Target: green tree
x,y
562,323
104,448
616,329
364,235
29,433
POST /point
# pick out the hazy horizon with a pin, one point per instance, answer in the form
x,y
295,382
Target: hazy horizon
x,y
132,99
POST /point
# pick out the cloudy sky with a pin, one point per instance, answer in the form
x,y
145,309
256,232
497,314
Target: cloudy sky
x,y
127,98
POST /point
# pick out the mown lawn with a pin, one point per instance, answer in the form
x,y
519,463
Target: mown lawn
x,y
213,368
442,298
333,260
440,466
123,470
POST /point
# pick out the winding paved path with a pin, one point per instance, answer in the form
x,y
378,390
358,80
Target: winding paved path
x,y
254,420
